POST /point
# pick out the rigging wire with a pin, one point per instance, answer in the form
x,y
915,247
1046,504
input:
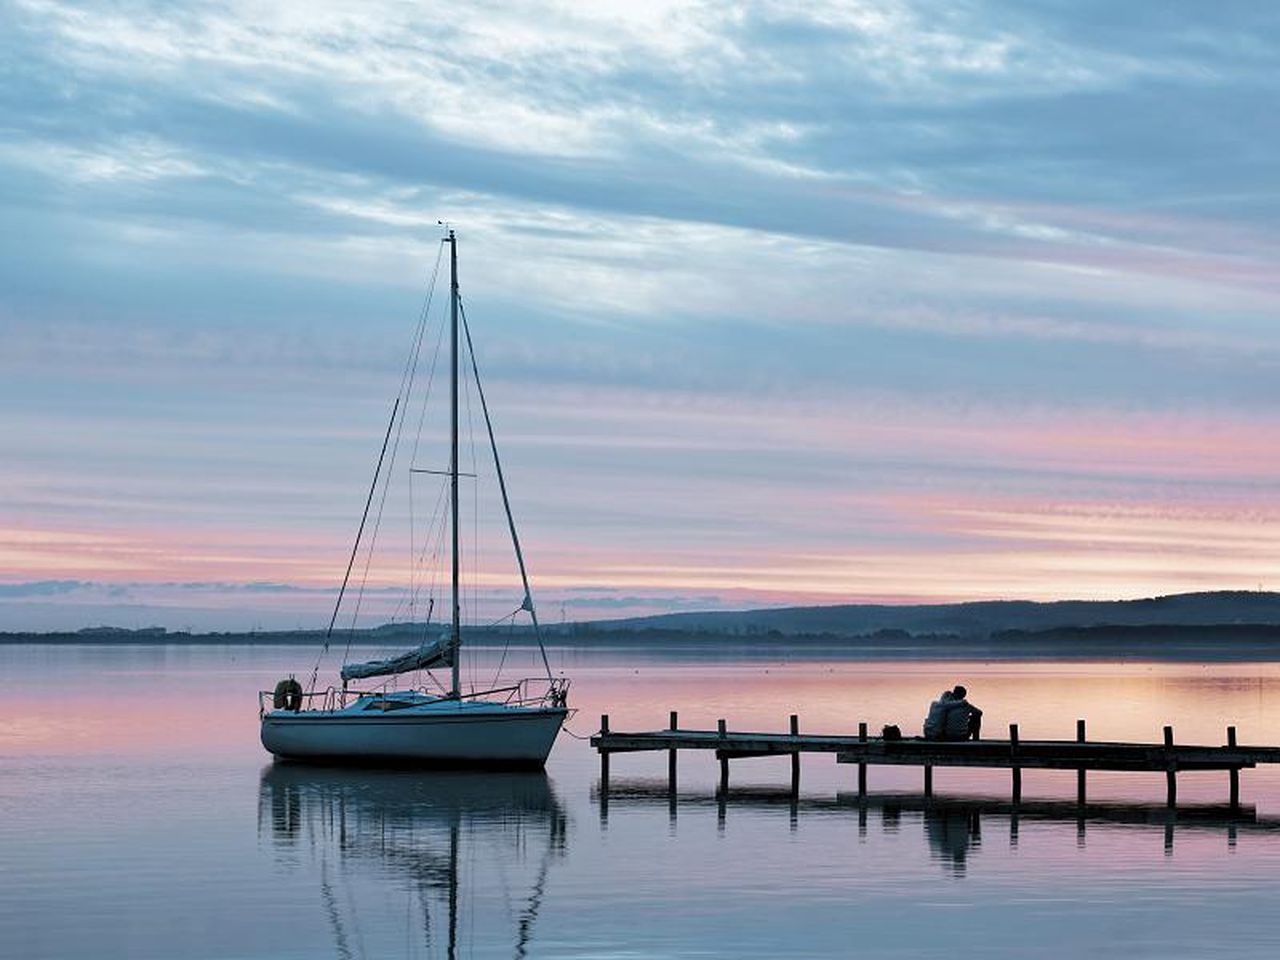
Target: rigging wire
x,y
417,437
406,376
429,557
406,392
432,544
502,486
355,547
436,535
506,647
473,584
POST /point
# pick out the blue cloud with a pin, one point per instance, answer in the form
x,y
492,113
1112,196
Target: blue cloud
x,y
40,588
929,213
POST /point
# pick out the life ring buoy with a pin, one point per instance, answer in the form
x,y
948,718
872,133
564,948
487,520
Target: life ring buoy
x,y
287,695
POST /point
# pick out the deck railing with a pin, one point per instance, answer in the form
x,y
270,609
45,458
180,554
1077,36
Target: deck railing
x,y
528,692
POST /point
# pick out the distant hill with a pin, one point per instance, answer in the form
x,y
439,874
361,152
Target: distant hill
x,y
975,620
1230,624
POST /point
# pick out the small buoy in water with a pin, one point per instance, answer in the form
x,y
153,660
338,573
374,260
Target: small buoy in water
x,y
287,695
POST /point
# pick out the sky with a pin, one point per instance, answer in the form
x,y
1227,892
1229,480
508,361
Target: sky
x,y
775,303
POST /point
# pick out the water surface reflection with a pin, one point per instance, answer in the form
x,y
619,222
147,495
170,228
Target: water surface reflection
x,y
952,828
472,851
136,814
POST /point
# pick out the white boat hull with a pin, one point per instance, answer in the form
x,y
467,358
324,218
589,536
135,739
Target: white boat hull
x,y
442,733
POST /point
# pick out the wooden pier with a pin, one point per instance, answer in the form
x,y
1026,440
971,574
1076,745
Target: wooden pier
x,y
1014,754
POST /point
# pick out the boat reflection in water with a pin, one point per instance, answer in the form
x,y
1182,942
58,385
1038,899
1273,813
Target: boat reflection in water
x,y
456,857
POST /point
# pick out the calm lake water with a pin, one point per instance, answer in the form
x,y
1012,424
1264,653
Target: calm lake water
x,y
140,817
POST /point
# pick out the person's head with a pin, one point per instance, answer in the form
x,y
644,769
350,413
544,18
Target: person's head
x,y
959,693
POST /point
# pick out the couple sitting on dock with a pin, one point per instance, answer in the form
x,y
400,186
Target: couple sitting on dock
x,y
952,717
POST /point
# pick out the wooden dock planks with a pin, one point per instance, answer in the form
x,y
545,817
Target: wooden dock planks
x,y
1015,753
1057,755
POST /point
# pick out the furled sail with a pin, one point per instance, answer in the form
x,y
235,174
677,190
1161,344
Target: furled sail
x,y
434,654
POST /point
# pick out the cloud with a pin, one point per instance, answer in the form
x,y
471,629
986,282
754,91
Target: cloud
x,y
562,108
40,588
597,602
740,277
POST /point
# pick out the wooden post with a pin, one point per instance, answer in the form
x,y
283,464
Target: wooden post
x,y
722,729
795,757
604,756
928,781
1017,771
671,758
862,767
793,818
1081,781
1171,777
1234,772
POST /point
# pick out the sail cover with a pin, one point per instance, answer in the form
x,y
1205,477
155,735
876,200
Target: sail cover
x,y
433,654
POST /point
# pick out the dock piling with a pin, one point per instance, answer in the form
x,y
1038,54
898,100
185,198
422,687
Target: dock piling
x,y
862,767
723,731
671,756
928,781
794,809
604,755
1081,778
1016,770
1234,772
1171,776
795,757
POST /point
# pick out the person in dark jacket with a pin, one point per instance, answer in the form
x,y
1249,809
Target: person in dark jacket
x,y
963,720
952,717
935,724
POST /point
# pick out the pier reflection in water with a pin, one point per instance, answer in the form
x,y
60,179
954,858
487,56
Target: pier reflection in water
x,y
953,828
467,854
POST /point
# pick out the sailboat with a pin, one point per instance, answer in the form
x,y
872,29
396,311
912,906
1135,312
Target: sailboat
x,y
514,725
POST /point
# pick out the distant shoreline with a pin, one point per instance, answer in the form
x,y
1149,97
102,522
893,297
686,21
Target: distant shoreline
x,y
1172,642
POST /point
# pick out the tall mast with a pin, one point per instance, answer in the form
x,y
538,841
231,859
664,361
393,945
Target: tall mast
x,y
453,447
